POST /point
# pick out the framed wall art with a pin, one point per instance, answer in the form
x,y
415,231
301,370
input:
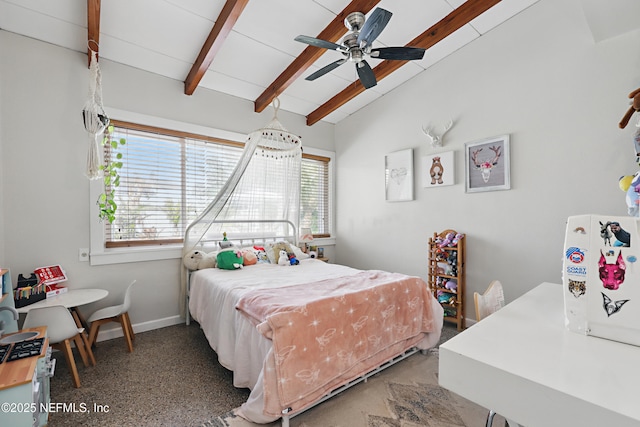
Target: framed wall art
x,y
438,170
398,176
487,164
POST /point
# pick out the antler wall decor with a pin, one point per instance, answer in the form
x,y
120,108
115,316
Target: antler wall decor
x,y
485,166
436,140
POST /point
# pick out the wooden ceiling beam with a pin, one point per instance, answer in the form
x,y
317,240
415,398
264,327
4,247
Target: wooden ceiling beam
x,y
230,13
458,18
93,28
333,32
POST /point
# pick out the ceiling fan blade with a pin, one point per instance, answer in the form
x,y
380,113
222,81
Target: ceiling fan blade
x,y
373,26
366,74
324,70
399,53
319,43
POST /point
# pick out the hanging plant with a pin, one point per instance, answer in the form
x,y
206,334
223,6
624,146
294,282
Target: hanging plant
x,y
111,177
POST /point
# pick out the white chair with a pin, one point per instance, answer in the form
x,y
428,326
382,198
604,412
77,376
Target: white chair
x,y
490,301
486,304
116,313
61,329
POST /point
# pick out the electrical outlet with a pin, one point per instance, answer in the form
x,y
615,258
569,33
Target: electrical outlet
x,y
83,254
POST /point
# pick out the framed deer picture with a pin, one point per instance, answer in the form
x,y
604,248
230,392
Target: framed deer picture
x,y
487,164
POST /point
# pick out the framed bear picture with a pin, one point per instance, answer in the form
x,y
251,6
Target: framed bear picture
x,y
438,170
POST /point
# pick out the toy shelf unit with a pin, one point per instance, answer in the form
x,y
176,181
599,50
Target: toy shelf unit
x,y
446,274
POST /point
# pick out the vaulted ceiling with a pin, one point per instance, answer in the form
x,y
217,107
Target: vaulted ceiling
x,y
247,48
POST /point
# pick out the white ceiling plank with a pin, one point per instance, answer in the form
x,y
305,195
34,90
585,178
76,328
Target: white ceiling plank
x,y
209,9
70,11
335,6
230,85
408,22
449,45
497,14
58,30
265,23
176,32
250,60
121,51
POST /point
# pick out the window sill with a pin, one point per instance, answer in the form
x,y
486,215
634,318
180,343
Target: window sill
x,y
125,255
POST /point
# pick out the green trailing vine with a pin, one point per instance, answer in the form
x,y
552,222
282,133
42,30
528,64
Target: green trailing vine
x,y
111,177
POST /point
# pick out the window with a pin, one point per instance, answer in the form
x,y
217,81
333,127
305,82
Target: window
x,y
169,177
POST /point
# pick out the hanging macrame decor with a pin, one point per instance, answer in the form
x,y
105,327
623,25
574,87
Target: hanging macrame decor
x,y
95,119
274,140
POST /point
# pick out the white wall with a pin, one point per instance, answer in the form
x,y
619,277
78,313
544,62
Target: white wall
x,y
44,204
538,77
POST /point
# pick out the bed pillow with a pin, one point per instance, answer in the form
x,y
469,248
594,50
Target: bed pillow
x,y
274,248
298,253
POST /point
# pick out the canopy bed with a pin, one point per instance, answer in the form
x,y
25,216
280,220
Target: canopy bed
x,y
294,334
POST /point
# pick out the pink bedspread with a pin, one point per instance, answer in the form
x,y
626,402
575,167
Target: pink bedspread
x,y
327,333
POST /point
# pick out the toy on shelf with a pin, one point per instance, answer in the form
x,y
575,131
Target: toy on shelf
x,y
450,240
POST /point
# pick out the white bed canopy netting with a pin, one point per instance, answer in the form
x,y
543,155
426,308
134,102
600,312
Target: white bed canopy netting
x,y
264,185
95,119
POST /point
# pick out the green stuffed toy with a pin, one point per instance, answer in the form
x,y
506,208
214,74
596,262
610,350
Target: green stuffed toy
x,y
230,259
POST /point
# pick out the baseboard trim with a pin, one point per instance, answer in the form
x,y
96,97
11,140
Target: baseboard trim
x,y
116,332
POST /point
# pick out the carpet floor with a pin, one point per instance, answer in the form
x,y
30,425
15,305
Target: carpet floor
x,y
172,378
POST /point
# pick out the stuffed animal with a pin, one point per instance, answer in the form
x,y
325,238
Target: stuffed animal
x,y
447,239
283,258
452,259
261,254
197,260
445,297
230,259
450,240
249,257
631,185
635,106
451,284
224,243
292,259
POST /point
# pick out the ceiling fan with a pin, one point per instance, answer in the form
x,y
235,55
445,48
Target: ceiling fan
x,y
357,44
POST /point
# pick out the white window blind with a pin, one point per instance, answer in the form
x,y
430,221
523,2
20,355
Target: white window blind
x,y
169,177
314,195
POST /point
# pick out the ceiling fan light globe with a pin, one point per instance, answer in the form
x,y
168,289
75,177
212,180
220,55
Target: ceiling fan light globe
x,y
354,21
